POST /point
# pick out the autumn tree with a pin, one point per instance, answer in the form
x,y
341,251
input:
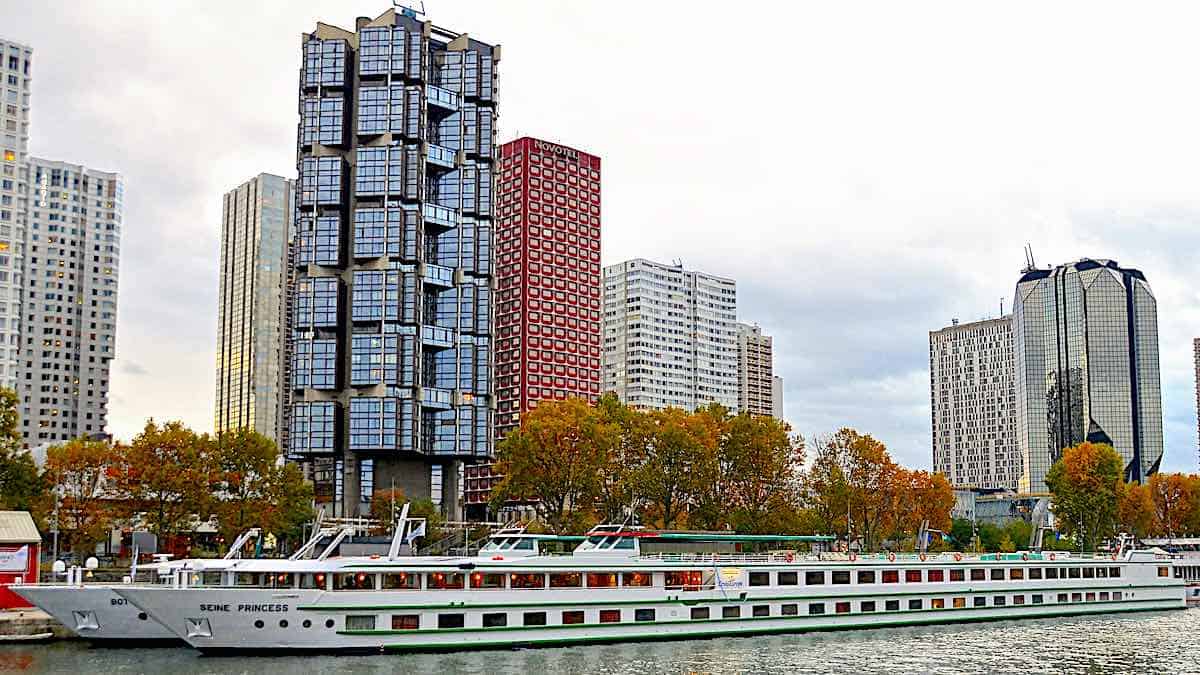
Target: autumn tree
x,y
1175,498
754,489
1135,509
253,487
1084,483
624,457
680,462
20,483
387,504
77,472
555,457
166,476
853,477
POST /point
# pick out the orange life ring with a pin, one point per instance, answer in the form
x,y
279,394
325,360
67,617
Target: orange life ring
x,y
1052,556
853,556
891,557
1024,556
790,557
1114,557
922,557
957,557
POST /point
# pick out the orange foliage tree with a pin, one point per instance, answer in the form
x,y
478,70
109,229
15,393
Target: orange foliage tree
x,y
76,473
1085,484
1175,497
1135,509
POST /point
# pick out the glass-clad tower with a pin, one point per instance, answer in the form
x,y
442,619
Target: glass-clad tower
x,y
1086,351
392,302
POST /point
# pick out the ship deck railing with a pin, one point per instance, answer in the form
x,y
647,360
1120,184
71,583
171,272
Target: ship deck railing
x,y
789,557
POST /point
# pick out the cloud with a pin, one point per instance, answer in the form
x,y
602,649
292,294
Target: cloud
x,y
130,367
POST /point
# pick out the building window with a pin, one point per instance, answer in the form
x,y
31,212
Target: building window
x,y
366,480
321,181
312,427
314,364
318,242
374,423
316,302
380,171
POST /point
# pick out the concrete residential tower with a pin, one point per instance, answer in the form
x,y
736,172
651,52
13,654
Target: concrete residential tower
x,y
256,218
973,399
1086,346
16,65
670,336
392,314
755,377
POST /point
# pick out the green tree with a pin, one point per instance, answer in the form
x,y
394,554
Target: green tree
x,y
1084,484
387,504
165,476
962,534
20,483
680,463
253,487
77,472
622,461
757,459
555,460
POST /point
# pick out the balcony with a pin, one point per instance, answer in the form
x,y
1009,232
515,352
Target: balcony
x,y
436,336
438,275
441,399
440,215
439,156
442,99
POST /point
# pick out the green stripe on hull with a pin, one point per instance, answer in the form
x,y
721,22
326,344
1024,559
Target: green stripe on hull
x,y
648,637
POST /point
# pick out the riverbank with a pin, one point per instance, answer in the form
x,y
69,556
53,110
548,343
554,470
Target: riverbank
x,y
21,625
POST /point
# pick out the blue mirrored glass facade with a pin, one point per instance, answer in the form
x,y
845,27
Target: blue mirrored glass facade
x,y
391,311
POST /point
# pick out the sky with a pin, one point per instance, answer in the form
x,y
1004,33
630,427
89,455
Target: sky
x,y
865,171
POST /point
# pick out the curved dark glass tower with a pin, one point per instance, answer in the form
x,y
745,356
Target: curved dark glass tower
x,y
1086,348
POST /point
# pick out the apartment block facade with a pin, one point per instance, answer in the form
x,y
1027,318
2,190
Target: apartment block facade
x,y
16,63
973,399
670,336
392,332
251,391
755,371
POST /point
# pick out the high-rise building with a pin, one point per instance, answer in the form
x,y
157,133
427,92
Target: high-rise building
x,y
70,305
1086,358
777,397
392,331
256,219
755,383
548,277
1196,357
670,336
14,200
972,396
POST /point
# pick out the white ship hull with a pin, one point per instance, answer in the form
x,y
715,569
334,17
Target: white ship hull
x,y
95,612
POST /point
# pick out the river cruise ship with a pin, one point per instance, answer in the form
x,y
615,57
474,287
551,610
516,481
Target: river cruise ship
x,y
624,584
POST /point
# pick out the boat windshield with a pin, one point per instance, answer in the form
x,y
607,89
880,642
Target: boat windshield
x,y
600,543
508,544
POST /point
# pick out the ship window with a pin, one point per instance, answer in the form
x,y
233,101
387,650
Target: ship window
x,y
1114,572
329,623
259,624
354,581
892,605
1037,599
307,623
1051,572
816,608
699,613
444,580
1074,572
1116,595
957,575
1062,597
360,622
495,620
786,579
312,581
978,574
1101,572
602,579
760,610
623,544
790,609
643,615
1090,597
487,580
566,580
959,603
814,578
841,607
572,617
734,612
1016,573
1018,599
527,580
1077,597
451,620
1090,572
1103,596
756,579
866,606
401,580
935,575
891,576
691,580
535,619
639,579
246,579
406,621
840,577
610,616
998,601
912,576
997,574
1035,573
210,579
1164,572
866,576
915,603
979,601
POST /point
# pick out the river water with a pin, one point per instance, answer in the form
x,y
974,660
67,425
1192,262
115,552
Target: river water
x,y
1156,642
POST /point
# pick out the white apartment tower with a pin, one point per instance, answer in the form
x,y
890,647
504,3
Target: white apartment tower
x,y
670,336
755,377
14,199
70,309
973,396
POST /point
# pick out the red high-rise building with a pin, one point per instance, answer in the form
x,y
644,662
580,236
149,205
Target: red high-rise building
x,y
548,301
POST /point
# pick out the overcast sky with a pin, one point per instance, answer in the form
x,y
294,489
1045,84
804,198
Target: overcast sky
x,y
867,172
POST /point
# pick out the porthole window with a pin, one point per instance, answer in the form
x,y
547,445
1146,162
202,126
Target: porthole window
x,y
329,623
307,623
259,624
142,616
283,623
